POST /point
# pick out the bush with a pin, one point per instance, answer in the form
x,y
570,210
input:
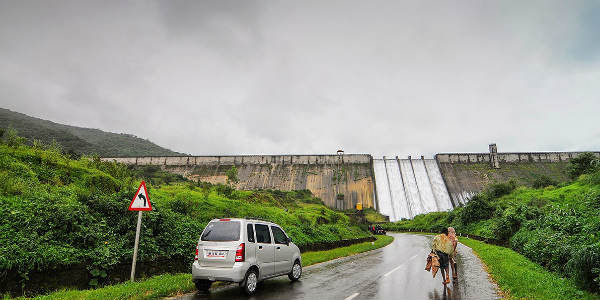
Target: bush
x,y
512,218
543,181
498,190
583,164
583,266
594,178
478,208
224,190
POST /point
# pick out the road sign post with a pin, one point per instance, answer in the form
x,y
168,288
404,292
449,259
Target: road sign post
x,y
135,247
140,203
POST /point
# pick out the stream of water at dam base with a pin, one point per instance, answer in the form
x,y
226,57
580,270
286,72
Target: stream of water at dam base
x,y
409,187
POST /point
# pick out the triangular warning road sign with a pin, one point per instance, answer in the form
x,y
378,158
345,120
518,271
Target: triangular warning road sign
x,y
141,200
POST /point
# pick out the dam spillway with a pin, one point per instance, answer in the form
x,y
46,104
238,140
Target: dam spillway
x,y
409,187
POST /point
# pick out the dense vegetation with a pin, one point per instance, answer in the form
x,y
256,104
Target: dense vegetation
x,y
78,140
555,226
58,212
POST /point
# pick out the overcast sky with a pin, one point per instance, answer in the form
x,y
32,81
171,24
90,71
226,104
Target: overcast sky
x,y
257,77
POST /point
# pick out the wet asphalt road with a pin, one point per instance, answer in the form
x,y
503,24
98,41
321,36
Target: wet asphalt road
x,y
393,272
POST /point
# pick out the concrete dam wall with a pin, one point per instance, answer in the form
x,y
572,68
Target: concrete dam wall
x,y
398,188
325,176
466,174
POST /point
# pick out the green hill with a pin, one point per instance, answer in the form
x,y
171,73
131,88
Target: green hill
x,y
80,140
65,222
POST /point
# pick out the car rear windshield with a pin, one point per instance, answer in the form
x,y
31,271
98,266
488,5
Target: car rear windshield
x,y
222,231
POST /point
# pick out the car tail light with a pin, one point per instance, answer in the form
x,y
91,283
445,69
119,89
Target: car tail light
x,y
240,253
224,219
196,257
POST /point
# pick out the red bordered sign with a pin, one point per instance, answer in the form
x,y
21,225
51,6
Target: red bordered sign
x,y
141,200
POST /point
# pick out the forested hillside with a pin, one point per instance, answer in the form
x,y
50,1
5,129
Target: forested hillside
x,y
65,222
79,140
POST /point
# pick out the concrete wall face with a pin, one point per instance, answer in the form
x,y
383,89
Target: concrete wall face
x,y
317,173
466,174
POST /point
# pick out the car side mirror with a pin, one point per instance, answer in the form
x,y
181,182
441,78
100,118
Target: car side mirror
x,y
289,240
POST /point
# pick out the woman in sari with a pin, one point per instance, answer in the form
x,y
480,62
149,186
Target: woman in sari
x,y
454,240
442,246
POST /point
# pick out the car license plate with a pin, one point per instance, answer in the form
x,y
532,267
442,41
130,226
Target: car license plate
x,y
216,254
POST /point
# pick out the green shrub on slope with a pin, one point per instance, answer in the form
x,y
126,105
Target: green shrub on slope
x,y
58,212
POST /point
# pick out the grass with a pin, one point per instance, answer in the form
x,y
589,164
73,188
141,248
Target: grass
x,y
520,278
374,216
155,287
311,258
176,284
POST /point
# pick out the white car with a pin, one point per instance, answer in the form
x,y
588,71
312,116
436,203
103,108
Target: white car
x,y
245,251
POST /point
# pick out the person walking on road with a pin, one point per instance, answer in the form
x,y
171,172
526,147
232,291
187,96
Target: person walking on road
x,y
454,240
442,246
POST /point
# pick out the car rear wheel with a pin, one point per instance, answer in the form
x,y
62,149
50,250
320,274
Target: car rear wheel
x,y
203,285
250,282
296,271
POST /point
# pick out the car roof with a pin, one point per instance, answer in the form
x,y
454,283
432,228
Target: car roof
x,y
247,220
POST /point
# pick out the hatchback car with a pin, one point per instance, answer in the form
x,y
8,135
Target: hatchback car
x,y
245,251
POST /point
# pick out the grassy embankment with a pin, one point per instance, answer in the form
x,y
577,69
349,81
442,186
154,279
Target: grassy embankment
x,y
61,214
373,216
555,226
170,285
520,278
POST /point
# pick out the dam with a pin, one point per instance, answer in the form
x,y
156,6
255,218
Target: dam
x,y
399,188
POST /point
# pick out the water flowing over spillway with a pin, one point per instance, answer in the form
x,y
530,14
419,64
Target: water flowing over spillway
x,y
409,187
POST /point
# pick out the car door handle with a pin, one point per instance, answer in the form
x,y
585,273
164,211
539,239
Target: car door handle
x,y
259,247
278,247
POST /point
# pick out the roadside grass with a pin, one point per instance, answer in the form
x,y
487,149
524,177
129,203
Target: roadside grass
x,y
520,278
166,285
155,287
311,258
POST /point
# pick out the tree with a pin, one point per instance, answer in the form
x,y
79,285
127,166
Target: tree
x,y
12,138
232,175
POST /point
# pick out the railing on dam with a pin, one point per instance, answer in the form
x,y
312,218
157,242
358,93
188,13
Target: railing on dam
x,y
243,159
509,157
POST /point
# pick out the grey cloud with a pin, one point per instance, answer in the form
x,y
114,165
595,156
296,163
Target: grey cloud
x,y
382,77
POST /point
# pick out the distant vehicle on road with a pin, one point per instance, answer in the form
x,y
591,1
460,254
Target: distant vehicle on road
x,y
245,251
377,229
